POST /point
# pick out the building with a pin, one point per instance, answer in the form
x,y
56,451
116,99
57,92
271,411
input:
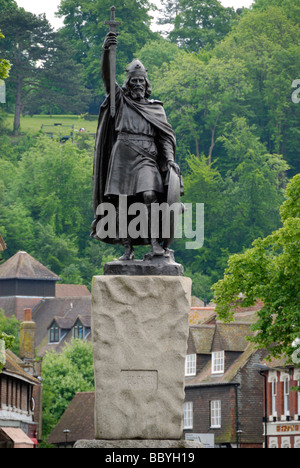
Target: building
x,y
59,319
221,387
24,282
21,394
76,423
60,311
281,404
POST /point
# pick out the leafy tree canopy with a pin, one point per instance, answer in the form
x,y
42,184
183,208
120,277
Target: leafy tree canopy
x,y
63,375
269,271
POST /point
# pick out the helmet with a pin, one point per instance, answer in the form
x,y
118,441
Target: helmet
x,y
136,68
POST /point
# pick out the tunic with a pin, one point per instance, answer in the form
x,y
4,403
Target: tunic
x,y
134,165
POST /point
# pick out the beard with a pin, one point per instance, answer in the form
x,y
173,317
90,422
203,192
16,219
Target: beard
x,y
137,92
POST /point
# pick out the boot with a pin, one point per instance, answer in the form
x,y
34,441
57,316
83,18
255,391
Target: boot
x,y
157,249
128,252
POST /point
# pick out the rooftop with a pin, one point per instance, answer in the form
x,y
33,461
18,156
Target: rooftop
x,y
78,418
23,266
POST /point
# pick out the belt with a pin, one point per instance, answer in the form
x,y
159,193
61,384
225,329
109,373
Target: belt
x,y
134,136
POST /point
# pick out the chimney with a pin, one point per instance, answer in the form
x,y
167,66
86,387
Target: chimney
x,y
27,337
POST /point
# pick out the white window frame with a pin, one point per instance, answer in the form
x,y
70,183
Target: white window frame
x,y
190,364
188,415
274,396
286,395
54,330
215,414
218,362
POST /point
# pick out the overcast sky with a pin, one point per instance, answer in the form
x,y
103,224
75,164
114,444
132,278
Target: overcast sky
x,y
50,7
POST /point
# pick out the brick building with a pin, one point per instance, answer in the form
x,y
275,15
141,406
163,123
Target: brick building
x,y
20,405
223,393
281,404
60,311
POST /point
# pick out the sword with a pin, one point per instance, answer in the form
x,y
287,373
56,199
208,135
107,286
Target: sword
x,y
112,61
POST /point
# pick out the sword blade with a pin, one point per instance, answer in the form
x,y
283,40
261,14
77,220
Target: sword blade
x,y
112,62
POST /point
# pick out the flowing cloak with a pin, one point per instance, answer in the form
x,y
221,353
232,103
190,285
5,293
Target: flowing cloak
x,y
106,137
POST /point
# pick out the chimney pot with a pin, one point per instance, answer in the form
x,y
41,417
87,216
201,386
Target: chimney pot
x,y
27,315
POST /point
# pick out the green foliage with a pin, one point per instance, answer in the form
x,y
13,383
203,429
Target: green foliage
x,y
4,65
9,332
199,24
85,30
239,206
43,68
269,271
63,375
267,41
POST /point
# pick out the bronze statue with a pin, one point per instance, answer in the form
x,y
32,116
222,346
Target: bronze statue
x,y
135,148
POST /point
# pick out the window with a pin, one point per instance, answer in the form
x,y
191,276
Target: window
x,y
190,364
78,330
218,362
188,415
54,333
298,397
286,393
274,397
215,413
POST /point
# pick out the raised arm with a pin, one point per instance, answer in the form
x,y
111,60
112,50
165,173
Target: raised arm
x,y
110,39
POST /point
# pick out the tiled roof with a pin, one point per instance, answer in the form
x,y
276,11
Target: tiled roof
x,y
78,418
233,335
66,290
65,310
14,365
23,266
203,338
15,305
221,337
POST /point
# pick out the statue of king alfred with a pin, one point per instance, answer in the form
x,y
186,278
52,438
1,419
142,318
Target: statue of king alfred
x,y
134,151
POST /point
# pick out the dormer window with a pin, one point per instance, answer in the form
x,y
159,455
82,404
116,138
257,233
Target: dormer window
x,y
78,330
217,363
54,334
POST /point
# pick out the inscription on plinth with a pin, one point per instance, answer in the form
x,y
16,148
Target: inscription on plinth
x,y
139,379
140,332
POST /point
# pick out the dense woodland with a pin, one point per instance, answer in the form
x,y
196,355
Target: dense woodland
x,y
226,79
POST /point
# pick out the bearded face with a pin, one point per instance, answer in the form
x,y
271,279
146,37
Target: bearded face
x,y
137,87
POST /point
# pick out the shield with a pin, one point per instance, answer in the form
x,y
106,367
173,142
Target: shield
x,y
173,200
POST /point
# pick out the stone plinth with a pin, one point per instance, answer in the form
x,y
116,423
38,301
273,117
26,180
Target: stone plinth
x,y
138,444
140,330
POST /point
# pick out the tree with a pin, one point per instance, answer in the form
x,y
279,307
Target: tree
x,y
63,375
43,68
200,95
198,24
61,86
27,43
269,271
267,41
4,65
85,30
9,332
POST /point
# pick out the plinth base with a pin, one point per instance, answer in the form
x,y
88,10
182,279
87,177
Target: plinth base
x,y
138,444
140,331
157,265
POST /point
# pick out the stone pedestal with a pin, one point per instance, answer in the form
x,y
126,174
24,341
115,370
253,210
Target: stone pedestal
x,y
140,331
138,444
